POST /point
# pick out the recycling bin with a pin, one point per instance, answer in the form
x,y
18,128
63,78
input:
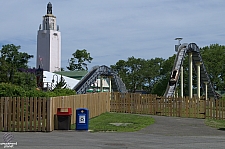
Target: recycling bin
x,y
64,118
82,119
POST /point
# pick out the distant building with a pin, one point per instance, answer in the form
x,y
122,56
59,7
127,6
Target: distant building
x,y
78,74
49,43
51,79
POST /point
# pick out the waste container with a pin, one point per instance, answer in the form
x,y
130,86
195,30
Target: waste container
x,y
82,119
64,118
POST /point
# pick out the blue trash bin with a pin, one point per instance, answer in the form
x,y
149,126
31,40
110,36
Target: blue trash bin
x,y
82,119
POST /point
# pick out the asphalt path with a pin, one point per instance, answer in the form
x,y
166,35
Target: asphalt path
x,y
165,133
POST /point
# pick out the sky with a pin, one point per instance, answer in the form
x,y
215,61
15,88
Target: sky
x,y
113,30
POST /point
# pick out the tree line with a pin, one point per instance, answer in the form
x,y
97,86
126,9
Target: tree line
x,y
152,75
149,75
14,82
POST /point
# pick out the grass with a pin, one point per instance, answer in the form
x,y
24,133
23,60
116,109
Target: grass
x,y
219,124
102,122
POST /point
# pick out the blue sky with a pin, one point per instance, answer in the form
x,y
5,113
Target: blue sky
x,y
113,30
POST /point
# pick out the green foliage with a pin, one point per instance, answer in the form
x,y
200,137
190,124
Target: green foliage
x,y
25,80
20,84
79,59
219,124
214,60
153,75
11,60
61,84
36,93
11,90
139,74
62,92
165,70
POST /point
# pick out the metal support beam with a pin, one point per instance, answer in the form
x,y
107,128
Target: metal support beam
x,y
101,86
190,75
206,91
198,79
110,87
182,81
110,84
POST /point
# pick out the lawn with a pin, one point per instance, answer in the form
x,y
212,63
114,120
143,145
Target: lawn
x,y
219,124
118,122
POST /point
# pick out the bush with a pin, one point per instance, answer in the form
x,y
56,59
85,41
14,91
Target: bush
x,y
11,90
63,92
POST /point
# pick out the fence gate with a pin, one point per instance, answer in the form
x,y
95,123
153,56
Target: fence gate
x,y
23,114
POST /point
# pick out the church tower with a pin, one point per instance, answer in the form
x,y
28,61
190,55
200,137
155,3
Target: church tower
x,y
49,43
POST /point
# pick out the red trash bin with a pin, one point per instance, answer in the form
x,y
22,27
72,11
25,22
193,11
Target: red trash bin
x,y
64,118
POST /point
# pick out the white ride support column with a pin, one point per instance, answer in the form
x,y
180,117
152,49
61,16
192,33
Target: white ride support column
x,y
110,84
190,75
206,91
110,87
101,86
182,81
198,79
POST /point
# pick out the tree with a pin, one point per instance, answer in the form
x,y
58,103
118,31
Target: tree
x,y
214,59
129,71
153,75
61,84
11,60
79,59
150,72
139,74
165,69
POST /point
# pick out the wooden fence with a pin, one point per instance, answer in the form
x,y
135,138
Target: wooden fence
x,y
38,114
96,103
23,114
179,107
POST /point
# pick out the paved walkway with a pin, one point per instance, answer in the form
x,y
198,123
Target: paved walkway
x,y
167,132
176,126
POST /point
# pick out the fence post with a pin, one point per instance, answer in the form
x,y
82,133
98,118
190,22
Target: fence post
x,y
50,118
5,114
1,112
181,99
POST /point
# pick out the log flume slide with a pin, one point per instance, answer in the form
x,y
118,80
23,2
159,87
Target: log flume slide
x,y
196,58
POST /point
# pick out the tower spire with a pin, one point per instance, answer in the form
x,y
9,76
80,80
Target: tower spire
x,y
49,43
49,8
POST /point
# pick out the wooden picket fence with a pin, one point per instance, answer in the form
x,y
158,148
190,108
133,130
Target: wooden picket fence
x,y
39,114
23,114
96,103
177,107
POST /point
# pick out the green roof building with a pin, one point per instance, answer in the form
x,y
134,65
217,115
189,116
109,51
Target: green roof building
x,y
73,74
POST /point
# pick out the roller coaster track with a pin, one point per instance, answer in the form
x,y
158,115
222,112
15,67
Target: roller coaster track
x,y
92,76
196,57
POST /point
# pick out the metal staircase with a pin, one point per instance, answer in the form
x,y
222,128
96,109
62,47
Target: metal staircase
x,y
92,76
196,57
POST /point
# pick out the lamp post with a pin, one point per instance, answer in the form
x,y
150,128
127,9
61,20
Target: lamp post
x,y
177,46
57,79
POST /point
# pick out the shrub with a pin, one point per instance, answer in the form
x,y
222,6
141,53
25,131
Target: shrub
x,y
11,90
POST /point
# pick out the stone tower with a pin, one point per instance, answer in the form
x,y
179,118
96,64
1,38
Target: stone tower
x,y
49,43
